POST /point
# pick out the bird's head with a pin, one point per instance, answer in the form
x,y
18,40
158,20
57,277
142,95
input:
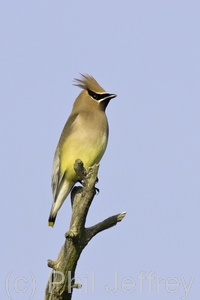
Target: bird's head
x,y
92,94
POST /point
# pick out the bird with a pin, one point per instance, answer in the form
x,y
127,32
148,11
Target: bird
x,y
84,137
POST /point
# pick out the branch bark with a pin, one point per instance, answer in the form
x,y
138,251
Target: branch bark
x,y
61,282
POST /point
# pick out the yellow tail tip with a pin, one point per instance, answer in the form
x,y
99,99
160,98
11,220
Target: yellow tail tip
x,y
51,224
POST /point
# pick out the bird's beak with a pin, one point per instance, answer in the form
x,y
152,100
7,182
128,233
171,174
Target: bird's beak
x,y
111,96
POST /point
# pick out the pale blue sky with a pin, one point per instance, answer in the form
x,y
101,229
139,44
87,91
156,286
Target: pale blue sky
x,y
148,53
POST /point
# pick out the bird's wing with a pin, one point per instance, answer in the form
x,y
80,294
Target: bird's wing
x,y
57,175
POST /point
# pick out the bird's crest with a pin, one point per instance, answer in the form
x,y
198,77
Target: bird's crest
x,y
88,83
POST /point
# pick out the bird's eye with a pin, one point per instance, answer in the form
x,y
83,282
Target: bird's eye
x,y
99,97
93,95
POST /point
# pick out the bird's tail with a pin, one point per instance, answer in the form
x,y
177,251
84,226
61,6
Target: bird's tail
x,y
63,192
52,217
55,208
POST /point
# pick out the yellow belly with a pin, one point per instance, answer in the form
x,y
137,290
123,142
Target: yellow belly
x,y
89,151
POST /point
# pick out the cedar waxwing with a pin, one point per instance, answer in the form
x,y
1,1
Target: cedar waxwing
x,y
84,136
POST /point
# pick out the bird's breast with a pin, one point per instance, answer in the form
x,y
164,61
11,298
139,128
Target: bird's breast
x,y
87,142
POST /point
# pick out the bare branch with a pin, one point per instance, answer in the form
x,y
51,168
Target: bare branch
x,y
61,282
107,223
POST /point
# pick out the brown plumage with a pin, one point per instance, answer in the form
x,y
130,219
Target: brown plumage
x,y
88,83
84,136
